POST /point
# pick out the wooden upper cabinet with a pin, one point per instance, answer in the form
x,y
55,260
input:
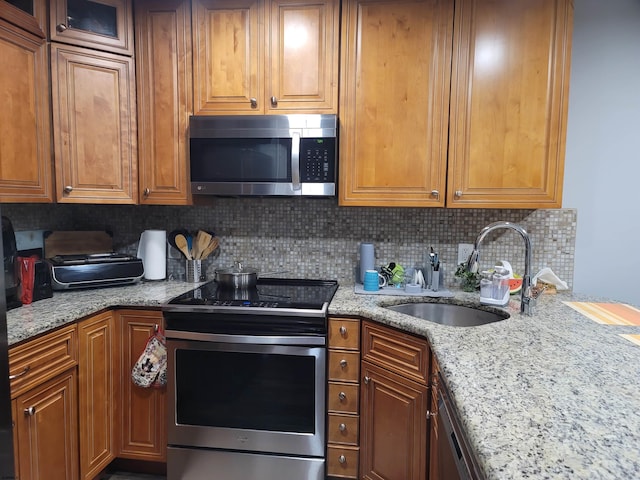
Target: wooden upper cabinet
x,y
163,63
94,120
509,96
25,151
255,56
395,64
104,25
30,15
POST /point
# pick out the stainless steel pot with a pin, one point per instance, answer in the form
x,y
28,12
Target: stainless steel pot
x,y
237,276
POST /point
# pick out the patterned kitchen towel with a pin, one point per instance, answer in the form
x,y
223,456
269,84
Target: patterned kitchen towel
x,y
608,313
632,338
150,370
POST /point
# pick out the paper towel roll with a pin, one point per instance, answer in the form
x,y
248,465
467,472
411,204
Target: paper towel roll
x,y
367,259
152,250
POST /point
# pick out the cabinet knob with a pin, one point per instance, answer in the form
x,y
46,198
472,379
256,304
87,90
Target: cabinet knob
x,y
342,459
254,102
343,363
431,414
22,373
61,27
458,193
342,396
435,193
342,427
366,380
274,101
343,331
68,189
146,192
30,412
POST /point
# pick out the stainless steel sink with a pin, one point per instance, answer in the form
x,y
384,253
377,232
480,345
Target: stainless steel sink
x,y
449,314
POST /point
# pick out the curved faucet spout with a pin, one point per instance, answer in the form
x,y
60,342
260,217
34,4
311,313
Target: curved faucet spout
x,y
526,300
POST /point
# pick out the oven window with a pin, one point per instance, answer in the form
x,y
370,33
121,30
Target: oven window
x,y
241,160
257,391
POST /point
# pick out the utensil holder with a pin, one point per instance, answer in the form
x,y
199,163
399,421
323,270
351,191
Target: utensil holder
x,y
194,271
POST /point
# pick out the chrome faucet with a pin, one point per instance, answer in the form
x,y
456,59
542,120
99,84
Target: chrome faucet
x,y
527,299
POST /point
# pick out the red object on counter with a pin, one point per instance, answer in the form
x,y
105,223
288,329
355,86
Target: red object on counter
x,y
26,273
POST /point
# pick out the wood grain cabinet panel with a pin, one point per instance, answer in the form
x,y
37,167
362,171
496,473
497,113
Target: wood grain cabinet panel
x,y
99,24
265,56
31,16
394,102
94,124
25,160
509,98
163,63
97,393
47,429
143,434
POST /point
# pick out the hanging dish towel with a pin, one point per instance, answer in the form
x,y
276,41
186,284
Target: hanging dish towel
x,y
150,370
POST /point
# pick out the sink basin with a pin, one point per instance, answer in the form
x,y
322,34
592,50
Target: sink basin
x,y
449,314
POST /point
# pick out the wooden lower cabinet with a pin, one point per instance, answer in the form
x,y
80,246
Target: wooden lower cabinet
x,y
142,421
47,431
394,433
98,382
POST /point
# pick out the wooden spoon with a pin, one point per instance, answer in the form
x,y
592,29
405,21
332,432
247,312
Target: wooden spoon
x,y
203,239
213,244
181,243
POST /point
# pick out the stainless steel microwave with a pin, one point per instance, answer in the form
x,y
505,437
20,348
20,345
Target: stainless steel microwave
x,y
267,155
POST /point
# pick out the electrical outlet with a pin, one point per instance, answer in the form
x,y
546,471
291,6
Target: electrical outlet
x,y
464,250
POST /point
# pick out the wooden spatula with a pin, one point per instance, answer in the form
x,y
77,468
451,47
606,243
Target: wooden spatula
x,y
181,243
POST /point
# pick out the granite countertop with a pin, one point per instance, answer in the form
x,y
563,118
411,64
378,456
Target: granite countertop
x,y
555,395
68,306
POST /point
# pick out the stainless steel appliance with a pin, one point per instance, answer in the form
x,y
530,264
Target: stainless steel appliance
x,y
94,270
246,380
6,430
279,155
456,461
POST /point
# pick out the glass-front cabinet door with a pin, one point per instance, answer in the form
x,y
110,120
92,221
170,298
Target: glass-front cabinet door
x,y
30,15
100,24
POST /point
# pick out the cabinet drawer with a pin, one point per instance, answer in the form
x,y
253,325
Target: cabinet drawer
x,y
342,461
398,352
43,358
343,397
343,429
344,366
344,333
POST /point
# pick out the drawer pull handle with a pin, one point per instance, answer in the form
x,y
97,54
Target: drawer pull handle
x,y
342,459
342,396
342,427
21,374
366,380
30,412
343,331
343,363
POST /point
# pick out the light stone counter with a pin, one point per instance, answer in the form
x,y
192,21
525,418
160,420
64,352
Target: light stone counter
x,y
68,306
555,395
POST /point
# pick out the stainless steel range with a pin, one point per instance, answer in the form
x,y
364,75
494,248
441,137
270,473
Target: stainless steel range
x,y
246,381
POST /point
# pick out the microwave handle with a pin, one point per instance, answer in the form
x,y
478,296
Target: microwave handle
x,y
295,161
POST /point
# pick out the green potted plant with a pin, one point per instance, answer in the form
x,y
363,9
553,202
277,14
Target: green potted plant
x,y
469,281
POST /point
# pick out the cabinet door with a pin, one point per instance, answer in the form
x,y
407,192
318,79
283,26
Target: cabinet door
x,y
103,25
97,381
393,426
303,56
25,159
163,50
228,61
30,15
143,418
94,118
509,96
46,420
395,76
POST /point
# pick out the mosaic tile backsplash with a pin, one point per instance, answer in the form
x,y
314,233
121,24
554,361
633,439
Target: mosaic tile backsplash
x,y
314,238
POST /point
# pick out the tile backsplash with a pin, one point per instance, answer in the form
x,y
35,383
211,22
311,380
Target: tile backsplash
x,y
314,238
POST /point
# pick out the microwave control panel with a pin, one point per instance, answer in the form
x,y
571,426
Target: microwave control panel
x,y
317,160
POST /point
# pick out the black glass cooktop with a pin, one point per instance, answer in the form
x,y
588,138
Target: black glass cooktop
x,y
269,293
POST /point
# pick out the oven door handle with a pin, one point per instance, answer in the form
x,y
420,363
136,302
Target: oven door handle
x,y
246,339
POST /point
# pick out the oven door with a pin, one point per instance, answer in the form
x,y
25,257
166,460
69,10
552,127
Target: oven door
x,y
248,397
